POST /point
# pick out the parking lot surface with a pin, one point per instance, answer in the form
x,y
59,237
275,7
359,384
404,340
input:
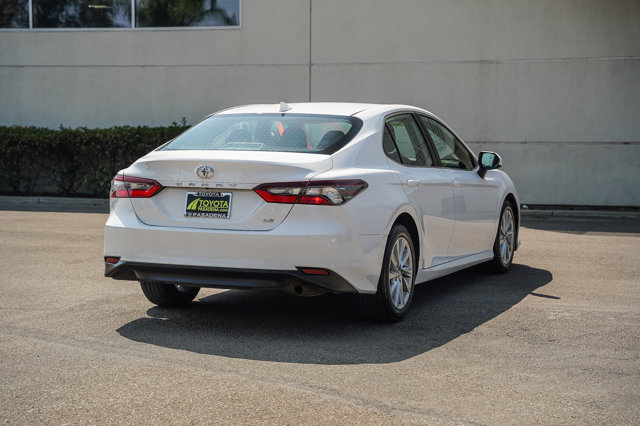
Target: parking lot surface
x,y
556,340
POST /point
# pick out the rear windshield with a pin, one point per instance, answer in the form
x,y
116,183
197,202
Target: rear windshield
x,y
322,134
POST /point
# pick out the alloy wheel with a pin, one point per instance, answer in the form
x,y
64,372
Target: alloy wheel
x,y
506,236
400,273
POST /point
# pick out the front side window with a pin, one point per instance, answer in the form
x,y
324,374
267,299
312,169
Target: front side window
x,y
409,142
269,132
451,151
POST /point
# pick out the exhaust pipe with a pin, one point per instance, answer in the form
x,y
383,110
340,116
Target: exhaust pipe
x,y
300,288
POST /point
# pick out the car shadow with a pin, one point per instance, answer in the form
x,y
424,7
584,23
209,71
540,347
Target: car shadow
x,y
274,326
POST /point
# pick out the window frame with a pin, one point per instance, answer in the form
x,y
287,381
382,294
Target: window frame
x,y
132,28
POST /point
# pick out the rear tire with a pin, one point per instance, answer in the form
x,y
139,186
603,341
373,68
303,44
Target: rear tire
x,y
169,295
504,245
397,280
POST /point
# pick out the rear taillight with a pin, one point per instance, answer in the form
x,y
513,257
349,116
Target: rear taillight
x,y
133,187
320,192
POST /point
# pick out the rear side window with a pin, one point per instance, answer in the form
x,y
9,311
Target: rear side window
x,y
451,151
304,133
410,146
389,146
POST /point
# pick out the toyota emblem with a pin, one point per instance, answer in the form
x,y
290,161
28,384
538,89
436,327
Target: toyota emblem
x,y
204,171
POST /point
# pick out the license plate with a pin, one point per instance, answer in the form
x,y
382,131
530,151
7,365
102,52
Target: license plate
x,y
215,205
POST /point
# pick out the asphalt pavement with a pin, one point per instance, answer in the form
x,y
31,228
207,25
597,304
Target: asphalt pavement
x,y
554,341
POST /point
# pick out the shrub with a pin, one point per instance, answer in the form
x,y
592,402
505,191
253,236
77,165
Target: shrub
x,y
73,162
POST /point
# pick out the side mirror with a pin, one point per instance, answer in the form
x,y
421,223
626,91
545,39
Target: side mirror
x,y
488,161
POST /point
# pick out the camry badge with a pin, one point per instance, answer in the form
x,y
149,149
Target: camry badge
x,y
204,171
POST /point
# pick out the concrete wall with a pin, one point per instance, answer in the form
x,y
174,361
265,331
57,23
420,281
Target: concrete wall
x,y
103,78
552,85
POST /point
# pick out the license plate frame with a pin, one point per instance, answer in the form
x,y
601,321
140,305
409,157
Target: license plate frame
x,y
208,204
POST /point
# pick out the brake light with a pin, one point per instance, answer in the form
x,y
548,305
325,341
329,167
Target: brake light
x,y
319,192
133,187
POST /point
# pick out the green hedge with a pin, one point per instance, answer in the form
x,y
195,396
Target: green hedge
x,y
73,162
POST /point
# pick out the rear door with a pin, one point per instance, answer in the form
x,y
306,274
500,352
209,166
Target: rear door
x,y
429,189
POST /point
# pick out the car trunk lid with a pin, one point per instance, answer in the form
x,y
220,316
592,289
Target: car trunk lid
x,y
225,200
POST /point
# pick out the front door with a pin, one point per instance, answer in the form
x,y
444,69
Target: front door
x,y
475,198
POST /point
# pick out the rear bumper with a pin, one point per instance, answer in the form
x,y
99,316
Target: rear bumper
x,y
225,277
310,237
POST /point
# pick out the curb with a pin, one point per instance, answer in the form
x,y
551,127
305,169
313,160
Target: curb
x,y
55,204
101,205
579,214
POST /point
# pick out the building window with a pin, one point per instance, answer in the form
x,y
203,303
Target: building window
x,y
51,14
14,13
81,14
187,13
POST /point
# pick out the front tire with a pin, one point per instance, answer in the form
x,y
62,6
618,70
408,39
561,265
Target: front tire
x,y
505,243
397,280
168,295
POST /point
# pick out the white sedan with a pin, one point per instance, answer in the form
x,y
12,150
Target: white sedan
x,y
310,198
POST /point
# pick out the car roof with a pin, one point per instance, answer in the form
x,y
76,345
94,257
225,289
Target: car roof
x,y
323,108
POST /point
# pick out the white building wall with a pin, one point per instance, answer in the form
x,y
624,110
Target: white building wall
x,y
552,85
103,78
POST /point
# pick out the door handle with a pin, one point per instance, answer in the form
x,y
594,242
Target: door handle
x,y
413,182
457,182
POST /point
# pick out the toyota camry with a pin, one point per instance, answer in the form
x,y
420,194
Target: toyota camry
x,y
310,198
